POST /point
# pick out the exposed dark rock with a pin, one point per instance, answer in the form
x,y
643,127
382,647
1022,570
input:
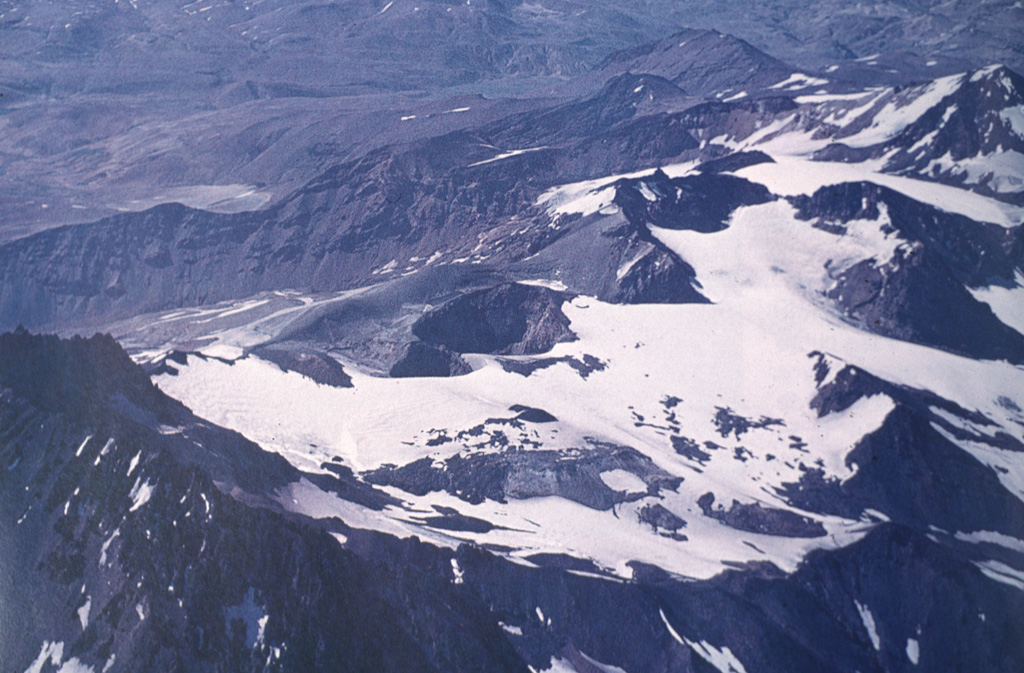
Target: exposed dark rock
x,y
927,276
659,517
510,319
735,162
532,414
320,367
685,446
729,422
574,475
424,359
756,518
701,202
585,367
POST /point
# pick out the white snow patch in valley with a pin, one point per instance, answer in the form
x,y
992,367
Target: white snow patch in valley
x,y
904,109
235,198
507,155
83,612
54,652
1001,572
457,573
798,80
106,546
73,665
868,620
1014,117
558,665
81,447
605,668
913,651
790,176
832,97
134,463
140,494
722,659
621,480
671,630
992,537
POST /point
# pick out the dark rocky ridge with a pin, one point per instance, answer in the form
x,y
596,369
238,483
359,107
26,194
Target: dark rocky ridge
x,y
967,123
928,276
756,518
907,468
700,202
510,319
517,473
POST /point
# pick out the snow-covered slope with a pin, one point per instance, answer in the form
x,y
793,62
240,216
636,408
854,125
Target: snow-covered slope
x,y
674,402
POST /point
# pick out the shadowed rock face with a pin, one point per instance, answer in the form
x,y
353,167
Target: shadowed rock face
x,y
942,255
758,519
520,474
510,319
423,359
320,367
701,203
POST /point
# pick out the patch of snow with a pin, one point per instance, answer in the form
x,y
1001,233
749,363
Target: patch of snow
x,y
457,573
106,546
81,447
868,620
506,155
992,537
672,632
53,651
798,80
982,73
1001,572
722,659
140,494
903,110
913,651
1014,118
73,665
83,612
514,630
790,176
134,463
622,480
558,665
831,97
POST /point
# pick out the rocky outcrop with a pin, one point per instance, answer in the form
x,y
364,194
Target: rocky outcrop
x,y
509,319
520,474
928,275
